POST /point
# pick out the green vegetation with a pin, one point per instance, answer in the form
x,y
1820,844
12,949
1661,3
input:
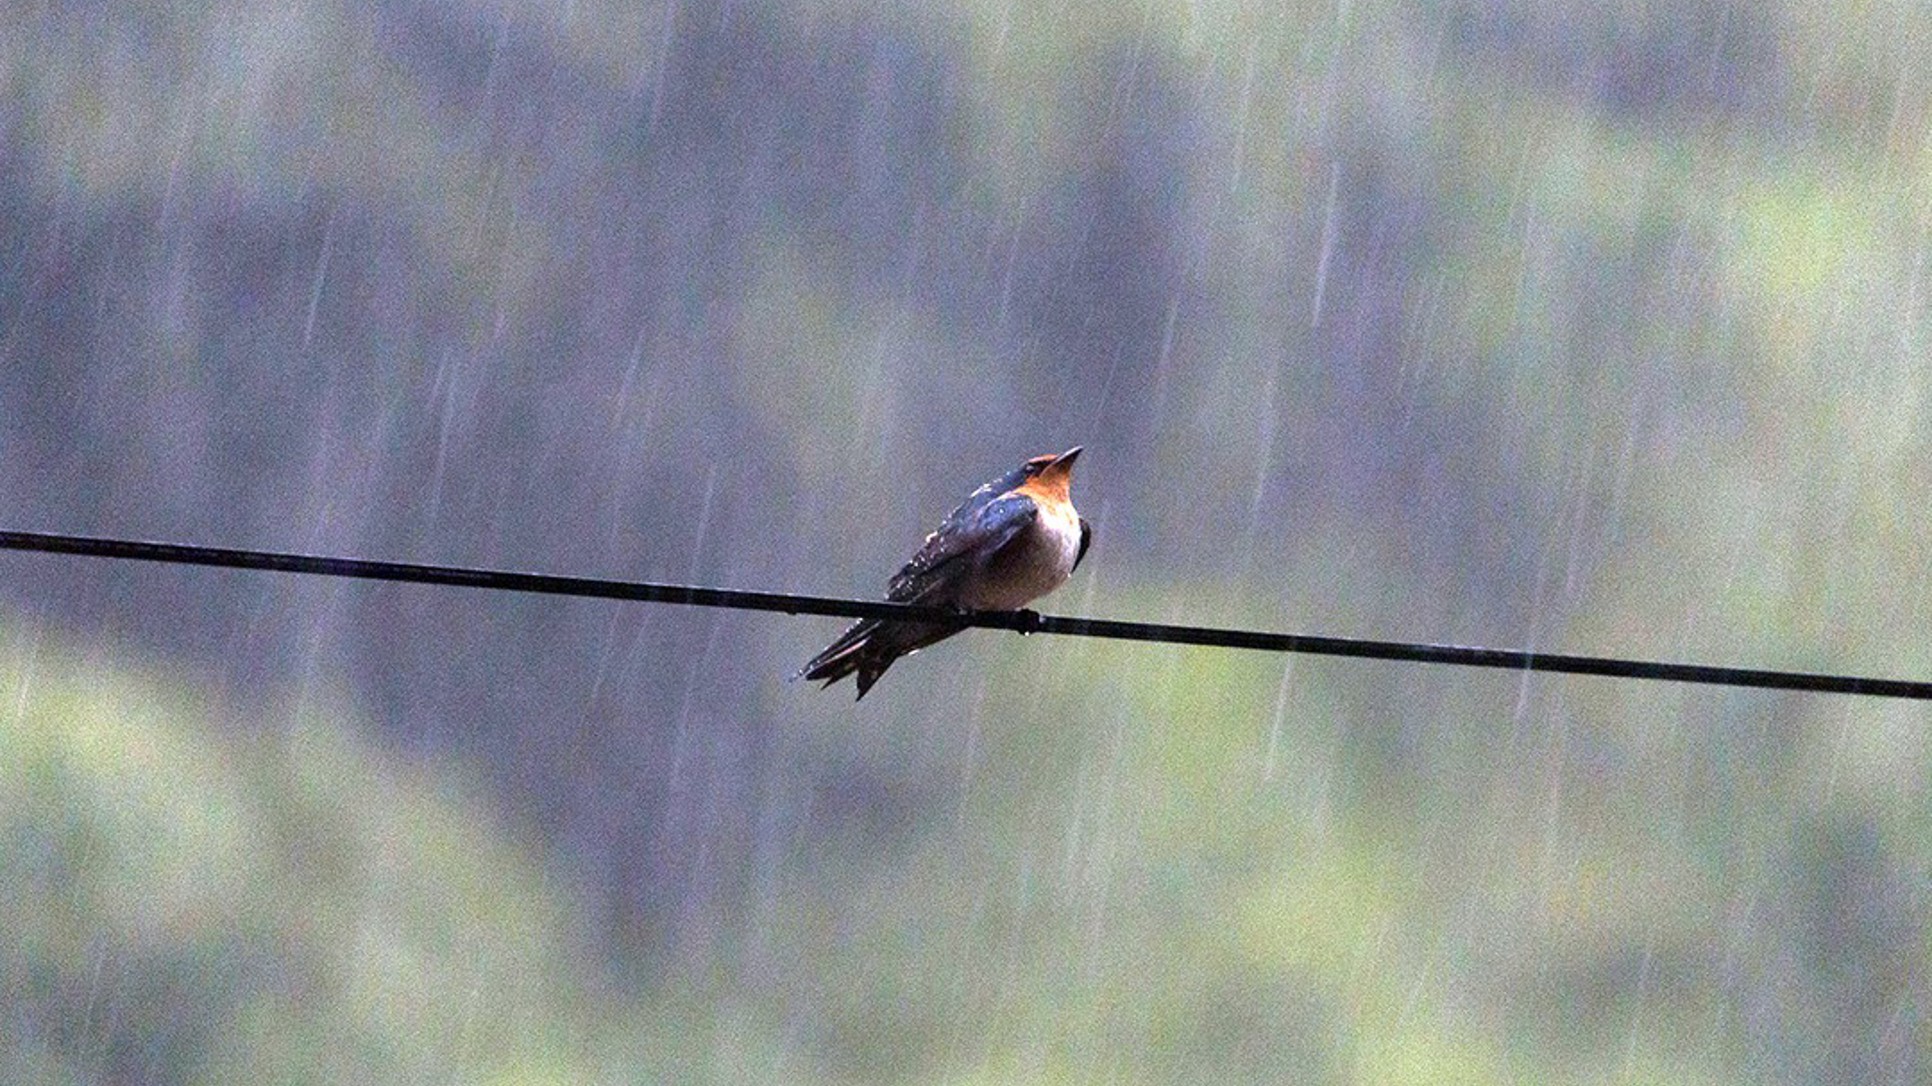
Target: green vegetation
x,y
1156,889
268,901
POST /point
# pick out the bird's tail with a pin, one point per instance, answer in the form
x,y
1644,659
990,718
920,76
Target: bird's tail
x,y
867,648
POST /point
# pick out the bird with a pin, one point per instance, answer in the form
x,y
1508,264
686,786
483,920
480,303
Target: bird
x,y
1010,542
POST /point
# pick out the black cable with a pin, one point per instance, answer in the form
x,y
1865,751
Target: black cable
x,y
1023,621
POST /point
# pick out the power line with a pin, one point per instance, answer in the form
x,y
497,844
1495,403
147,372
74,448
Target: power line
x,y
1022,621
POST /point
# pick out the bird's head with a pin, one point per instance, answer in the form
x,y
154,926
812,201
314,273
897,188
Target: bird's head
x,y
1052,473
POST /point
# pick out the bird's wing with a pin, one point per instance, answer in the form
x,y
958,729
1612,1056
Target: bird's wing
x,y
972,529
1086,540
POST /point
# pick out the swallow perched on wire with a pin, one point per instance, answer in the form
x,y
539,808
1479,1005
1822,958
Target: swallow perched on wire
x,y
1010,542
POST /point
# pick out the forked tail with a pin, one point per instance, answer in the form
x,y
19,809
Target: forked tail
x,y
866,649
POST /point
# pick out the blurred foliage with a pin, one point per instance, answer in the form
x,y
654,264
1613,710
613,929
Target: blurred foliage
x,y
1218,892
270,900
1595,327
1240,873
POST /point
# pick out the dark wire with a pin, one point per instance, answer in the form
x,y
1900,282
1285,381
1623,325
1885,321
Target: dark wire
x,y
1023,621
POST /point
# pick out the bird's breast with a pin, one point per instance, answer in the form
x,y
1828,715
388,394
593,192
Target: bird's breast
x,y
1035,561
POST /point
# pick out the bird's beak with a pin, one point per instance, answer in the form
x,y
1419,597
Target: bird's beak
x,y
1066,459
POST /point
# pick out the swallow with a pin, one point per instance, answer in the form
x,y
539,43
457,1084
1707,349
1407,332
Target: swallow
x,y
1010,542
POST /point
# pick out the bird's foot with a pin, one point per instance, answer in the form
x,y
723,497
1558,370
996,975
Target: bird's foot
x,y
1029,620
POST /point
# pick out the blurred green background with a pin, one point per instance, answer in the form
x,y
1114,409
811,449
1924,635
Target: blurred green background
x,y
1583,327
